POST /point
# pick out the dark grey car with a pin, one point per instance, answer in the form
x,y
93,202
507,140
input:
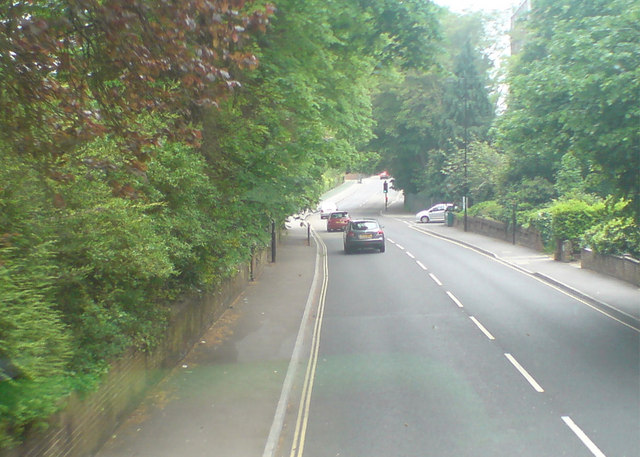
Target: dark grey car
x,y
363,234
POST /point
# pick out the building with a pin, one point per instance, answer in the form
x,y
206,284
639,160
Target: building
x,y
518,33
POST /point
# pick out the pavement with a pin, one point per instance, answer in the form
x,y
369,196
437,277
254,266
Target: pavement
x,y
227,397
221,399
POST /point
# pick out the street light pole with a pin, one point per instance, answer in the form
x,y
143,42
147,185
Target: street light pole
x,y
465,198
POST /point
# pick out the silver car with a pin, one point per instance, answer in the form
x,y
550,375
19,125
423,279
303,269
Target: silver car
x,y
363,234
434,214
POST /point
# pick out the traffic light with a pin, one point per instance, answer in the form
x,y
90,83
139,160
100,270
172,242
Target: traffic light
x,y
385,187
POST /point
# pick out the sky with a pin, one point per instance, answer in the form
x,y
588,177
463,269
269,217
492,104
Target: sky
x,y
501,25
504,9
459,6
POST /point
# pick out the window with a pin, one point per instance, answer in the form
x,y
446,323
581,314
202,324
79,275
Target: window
x,y
365,225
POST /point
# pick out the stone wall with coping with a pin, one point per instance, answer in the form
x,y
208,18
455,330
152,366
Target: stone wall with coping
x,y
528,237
621,267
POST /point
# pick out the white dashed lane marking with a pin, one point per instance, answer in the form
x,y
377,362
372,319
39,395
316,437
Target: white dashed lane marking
x,y
524,373
537,387
583,437
455,300
481,327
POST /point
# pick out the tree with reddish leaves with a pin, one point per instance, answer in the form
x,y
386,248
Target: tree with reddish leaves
x,y
74,70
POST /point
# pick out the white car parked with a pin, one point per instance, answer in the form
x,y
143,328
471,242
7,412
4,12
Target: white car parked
x,y
434,214
326,208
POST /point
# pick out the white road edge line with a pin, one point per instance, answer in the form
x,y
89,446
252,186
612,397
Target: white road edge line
x,y
583,437
455,300
481,327
524,373
435,279
421,265
411,255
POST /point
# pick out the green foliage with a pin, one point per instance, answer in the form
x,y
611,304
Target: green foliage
x,y
535,191
572,218
484,166
569,177
468,111
403,33
617,236
35,344
304,111
114,261
426,116
408,133
139,165
542,221
489,209
574,90
190,217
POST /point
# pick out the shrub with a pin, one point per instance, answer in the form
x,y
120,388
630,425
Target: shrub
x,y
617,236
541,220
35,345
565,220
490,209
113,266
572,218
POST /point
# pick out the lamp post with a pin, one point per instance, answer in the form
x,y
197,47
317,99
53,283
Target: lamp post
x,y
465,197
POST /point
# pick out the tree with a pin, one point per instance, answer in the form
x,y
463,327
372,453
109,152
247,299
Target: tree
x,y
306,109
574,90
485,166
408,132
423,115
402,33
74,70
469,112
90,93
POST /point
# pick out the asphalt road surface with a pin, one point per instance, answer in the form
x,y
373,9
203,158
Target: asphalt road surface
x,y
434,349
431,349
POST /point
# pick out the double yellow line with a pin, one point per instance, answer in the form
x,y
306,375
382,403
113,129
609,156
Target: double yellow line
x,y
297,448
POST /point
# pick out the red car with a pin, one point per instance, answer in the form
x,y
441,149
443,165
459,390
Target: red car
x,y
337,220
